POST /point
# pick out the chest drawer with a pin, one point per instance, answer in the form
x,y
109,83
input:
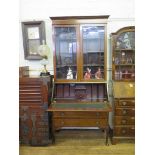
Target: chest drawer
x,y
125,112
60,122
125,120
128,131
79,114
125,103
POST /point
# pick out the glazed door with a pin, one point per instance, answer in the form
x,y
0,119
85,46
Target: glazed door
x,y
93,49
124,55
65,52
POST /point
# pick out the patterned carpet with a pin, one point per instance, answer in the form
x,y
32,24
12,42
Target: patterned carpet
x,y
81,142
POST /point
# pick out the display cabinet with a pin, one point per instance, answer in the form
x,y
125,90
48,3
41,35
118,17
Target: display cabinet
x,y
80,48
123,59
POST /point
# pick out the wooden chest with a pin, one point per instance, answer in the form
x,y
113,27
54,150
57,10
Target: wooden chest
x,y
33,117
124,110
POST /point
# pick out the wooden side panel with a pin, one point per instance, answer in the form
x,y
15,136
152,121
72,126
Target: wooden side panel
x,y
88,92
60,91
100,93
66,91
94,93
34,125
33,118
72,91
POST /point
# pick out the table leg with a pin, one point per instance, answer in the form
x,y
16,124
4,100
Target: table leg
x,y
52,135
108,135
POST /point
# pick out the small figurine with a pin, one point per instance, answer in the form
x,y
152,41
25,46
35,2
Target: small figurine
x,y
98,74
118,44
117,61
69,74
129,60
123,59
87,75
127,41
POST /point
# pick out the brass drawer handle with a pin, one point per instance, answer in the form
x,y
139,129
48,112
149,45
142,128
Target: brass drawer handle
x,y
124,103
124,112
62,122
124,121
97,123
62,114
97,114
123,131
132,117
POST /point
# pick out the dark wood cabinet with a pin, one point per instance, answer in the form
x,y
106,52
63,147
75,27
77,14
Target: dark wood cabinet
x,y
80,71
123,76
34,99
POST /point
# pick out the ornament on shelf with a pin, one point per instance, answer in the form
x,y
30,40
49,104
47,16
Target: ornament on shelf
x,y
126,41
98,74
129,60
123,58
69,74
87,75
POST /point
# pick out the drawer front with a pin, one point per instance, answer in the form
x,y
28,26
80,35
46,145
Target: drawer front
x,y
79,114
125,112
124,131
101,123
125,103
125,120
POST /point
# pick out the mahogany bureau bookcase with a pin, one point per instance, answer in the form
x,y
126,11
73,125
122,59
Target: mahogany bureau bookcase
x,y
80,86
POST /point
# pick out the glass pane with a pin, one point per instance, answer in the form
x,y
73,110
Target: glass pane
x,y
93,52
126,40
33,45
124,72
125,57
65,46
